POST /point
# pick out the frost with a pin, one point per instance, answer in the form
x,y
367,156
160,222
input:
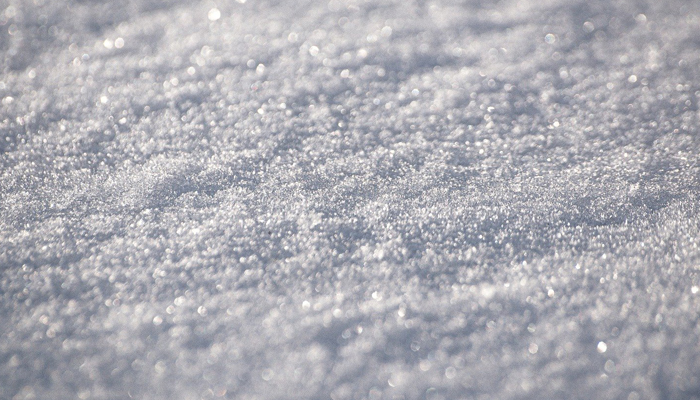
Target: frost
x,y
347,200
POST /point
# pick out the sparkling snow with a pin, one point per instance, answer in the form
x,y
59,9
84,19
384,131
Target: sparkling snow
x,y
441,199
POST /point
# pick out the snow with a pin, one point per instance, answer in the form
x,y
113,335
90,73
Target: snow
x,y
434,199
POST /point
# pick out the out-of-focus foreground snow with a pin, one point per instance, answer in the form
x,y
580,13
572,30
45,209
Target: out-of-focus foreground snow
x,y
352,199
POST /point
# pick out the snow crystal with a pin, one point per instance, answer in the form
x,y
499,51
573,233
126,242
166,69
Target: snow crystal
x,y
433,199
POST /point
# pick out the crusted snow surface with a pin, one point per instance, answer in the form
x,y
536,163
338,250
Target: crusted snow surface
x,y
349,199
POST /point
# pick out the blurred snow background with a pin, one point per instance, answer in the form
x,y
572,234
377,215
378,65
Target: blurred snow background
x,y
352,199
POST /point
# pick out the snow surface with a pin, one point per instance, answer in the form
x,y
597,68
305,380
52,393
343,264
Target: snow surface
x,y
352,199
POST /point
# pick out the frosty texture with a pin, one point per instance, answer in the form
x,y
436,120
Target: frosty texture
x,y
349,199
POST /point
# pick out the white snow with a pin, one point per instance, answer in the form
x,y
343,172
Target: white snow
x,y
350,199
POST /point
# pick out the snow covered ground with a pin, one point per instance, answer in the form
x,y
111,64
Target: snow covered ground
x,y
353,199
